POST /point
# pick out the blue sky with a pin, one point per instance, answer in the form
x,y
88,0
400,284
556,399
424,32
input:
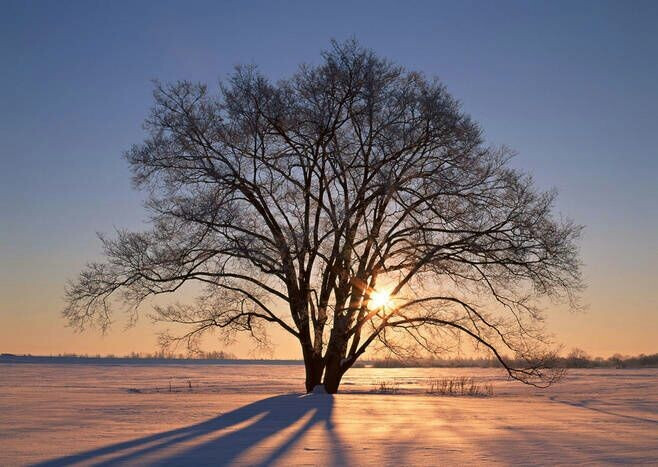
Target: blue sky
x,y
570,85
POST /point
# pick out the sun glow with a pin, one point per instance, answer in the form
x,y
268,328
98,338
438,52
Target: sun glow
x,y
380,299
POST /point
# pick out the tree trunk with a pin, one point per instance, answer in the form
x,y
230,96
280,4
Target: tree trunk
x,y
333,374
336,365
314,365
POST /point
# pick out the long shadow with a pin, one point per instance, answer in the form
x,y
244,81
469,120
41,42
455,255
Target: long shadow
x,y
583,405
259,421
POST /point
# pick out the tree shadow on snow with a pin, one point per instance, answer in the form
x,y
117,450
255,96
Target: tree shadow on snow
x,y
584,404
210,443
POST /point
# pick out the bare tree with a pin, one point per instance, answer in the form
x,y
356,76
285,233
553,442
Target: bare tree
x,y
352,204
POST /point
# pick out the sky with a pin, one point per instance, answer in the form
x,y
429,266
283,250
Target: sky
x,y
571,86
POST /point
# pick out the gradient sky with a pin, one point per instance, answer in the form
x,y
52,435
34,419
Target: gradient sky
x,y
572,86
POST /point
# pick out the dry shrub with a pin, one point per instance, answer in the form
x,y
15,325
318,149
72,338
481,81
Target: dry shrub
x,y
387,387
462,386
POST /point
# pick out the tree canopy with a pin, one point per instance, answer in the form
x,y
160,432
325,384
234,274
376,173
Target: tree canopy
x,y
350,204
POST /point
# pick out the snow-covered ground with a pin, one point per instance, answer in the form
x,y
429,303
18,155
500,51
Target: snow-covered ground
x,y
58,414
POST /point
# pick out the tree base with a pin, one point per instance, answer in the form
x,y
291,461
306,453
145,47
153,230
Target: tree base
x,y
319,390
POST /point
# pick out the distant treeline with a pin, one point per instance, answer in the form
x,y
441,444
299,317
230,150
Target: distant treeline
x,y
576,359
140,356
210,358
579,359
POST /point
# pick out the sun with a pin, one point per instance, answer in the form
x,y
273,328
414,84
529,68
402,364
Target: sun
x,y
380,299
